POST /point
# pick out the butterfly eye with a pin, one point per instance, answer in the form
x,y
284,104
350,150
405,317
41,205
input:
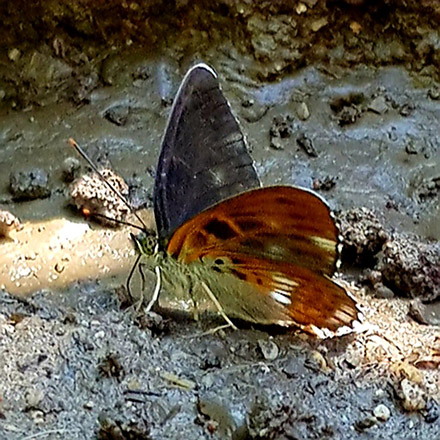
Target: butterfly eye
x,y
146,242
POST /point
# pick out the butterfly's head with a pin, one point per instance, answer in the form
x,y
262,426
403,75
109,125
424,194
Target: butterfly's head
x,y
146,242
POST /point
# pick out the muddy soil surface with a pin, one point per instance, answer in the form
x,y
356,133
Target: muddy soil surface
x,y
75,363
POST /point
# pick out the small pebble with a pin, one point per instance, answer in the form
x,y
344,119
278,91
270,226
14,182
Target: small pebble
x,y
269,349
434,93
378,105
382,413
318,24
34,398
37,416
412,396
303,111
379,392
14,54
364,424
89,405
70,168
29,185
301,8
383,291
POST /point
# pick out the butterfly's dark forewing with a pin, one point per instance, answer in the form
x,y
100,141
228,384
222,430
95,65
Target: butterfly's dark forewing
x,y
204,158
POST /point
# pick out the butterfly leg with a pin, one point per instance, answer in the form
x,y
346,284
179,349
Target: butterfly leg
x,y
195,305
137,306
156,292
218,305
130,276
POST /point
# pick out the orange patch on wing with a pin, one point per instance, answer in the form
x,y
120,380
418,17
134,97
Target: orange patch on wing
x,y
277,223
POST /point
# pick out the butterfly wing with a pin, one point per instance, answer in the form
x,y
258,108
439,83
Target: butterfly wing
x,y
278,246
204,158
278,293
279,223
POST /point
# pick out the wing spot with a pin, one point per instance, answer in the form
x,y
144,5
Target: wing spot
x,y
219,261
254,244
246,225
200,239
282,299
242,276
283,200
220,229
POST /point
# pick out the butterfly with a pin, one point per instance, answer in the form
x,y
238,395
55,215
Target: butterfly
x,y
264,255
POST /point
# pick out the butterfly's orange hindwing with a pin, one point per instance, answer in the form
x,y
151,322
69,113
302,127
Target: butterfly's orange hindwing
x,y
281,244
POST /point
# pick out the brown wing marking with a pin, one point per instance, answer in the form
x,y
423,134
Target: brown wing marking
x,y
280,223
310,299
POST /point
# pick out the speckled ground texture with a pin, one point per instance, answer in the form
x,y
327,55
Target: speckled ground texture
x,y
339,96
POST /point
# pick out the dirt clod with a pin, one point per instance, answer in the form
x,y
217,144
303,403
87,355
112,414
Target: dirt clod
x,y
411,395
117,114
307,145
348,109
365,423
428,314
110,366
8,223
411,267
324,184
378,105
93,197
266,421
113,429
362,235
70,169
29,185
280,131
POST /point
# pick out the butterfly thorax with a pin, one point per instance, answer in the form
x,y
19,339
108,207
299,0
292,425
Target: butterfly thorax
x,y
175,276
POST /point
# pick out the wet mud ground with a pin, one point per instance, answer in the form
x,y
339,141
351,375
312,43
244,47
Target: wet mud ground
x,y
75,363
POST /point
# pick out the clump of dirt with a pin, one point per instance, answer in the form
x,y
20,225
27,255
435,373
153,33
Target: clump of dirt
x,y
405,264
8,223
280,131
363,236
95,198
274,420
29,184
411,267
348,109
115,429
282,36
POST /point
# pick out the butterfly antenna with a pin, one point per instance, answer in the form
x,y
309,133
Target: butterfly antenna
x,y
88,213
83,154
